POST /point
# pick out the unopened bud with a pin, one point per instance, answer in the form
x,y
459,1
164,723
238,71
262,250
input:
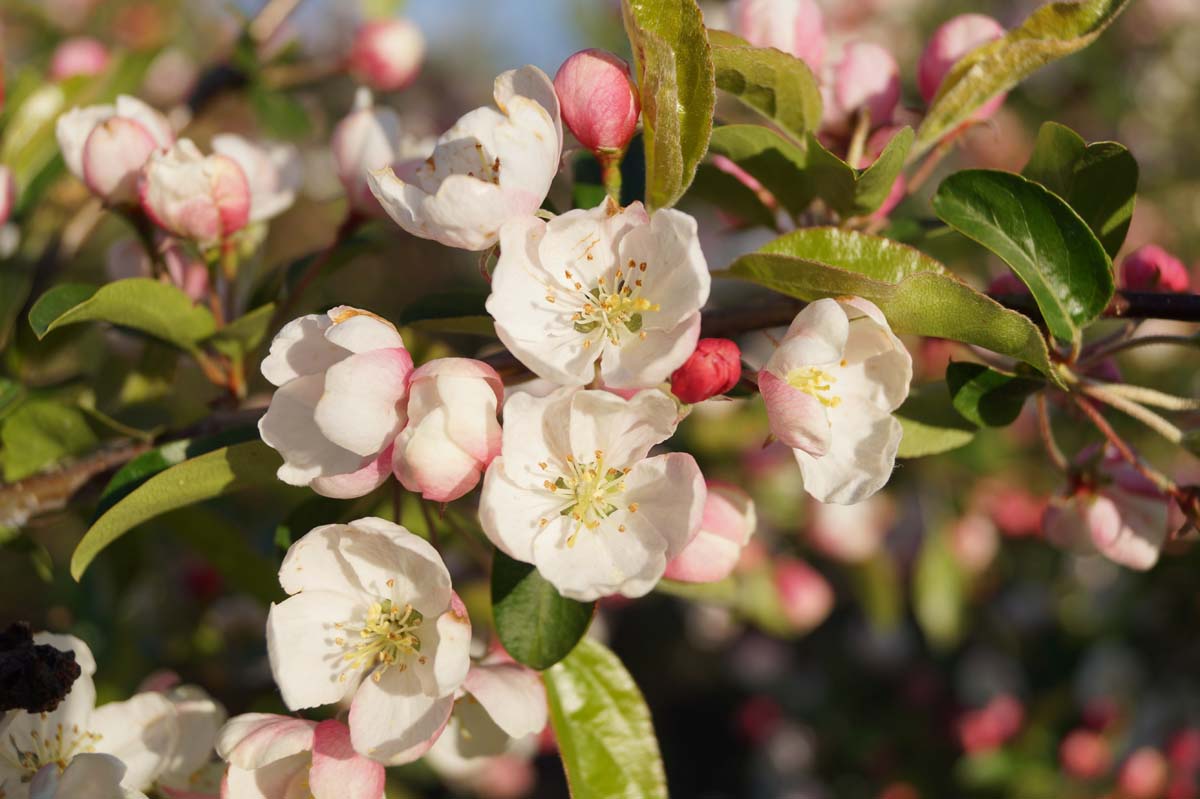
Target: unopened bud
x,y
599,102
949,43
865,81
804,594
793,26
197,197
112,155
368,138
81,55
713,368
387,54
1151,268
726,526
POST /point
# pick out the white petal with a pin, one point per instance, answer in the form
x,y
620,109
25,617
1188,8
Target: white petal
x,y
601,562
393,721
670,494
862,453
306,660
816,337
142,732
452,658
361,331
428,462
254,740
644,362
624,430
301,348
361,409
275,781
200,718
155,123
511,694
510,514
72,130
290,428
536,430
878,367
796,418
87,776
338,771
676,275
69,643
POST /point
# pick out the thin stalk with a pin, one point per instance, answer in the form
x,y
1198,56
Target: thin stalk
x,y
1144,415
1047,432
1159,479
1148,396
1143,341
430,526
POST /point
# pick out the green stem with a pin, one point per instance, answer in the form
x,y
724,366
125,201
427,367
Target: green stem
x,y
610,172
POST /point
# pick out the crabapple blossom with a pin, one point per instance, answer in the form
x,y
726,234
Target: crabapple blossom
x,y
830,388
726,526
804,595
387,54
494,165
574,493
106,146
600,103
607,284
200,718
793,26
866,81
279,757
343,381
80,55
954,39
713,368
850,533
369,138
194,196
452,433
272,171
141,734
371,617
8,194
1151,268
1115,511
85,776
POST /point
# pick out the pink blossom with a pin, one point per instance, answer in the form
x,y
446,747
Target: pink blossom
x,y
106,145
865,81
974,542
712,369
804,595
1085,754
598,100
1144,775
793,26
194,196
850,533
387,54
991,726
954,39
725,528
1151,268
80,55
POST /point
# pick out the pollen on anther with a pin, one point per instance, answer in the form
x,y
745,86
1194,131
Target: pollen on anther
x,y
620,528
543,522
633,506
391,582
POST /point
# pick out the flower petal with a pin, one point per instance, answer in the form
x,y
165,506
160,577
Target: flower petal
x,y
361,409
306,660
338,771
511,694
862,452
301,348
642,362
274,781
796,418
142,732
624,430
393,721
254,740
290,428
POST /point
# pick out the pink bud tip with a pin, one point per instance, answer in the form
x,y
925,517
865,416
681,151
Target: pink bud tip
x,y
804,594
81,55
387,54
793,26
1151,268
949,43
1085,754
600,104
1144,775
713,368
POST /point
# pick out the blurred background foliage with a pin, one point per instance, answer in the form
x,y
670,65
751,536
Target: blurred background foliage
x,y
960,606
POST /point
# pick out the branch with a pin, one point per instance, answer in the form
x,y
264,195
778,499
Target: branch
x,y
1124,305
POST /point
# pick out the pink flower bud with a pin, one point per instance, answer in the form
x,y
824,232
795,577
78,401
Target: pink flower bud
x,y
387,54
727,524
1085,755
713,368
368,138
452,433
194,196
599,102
1144,775
81,55
949,43
866,80
1151,268
793,26
8,194
113,154
804,594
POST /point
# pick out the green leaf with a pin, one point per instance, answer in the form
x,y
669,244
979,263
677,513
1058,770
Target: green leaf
x,y
939,592
1051,32
243,334
603,727
213,474
139,303
856,192
1040,237
537,626
931,425
11,393
1099,180
778,85
40,433
724,191
987,397
924,302
674,68
770,159
16,281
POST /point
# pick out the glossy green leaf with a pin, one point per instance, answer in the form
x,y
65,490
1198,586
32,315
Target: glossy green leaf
x,y
1038,235
142,304
243,334
537,626
603,727
856,192
778,85
987,397
1099,180
1051,32
770,159
926,303
220,472
40,433
931,424
870,256
674,67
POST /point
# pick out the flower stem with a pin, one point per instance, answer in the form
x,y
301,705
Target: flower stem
x,y
1047,432
1132,409
1159,479
610,172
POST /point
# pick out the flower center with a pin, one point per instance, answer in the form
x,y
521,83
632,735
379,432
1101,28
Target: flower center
x,y
386,636
57,750
816,383
616,310
591,492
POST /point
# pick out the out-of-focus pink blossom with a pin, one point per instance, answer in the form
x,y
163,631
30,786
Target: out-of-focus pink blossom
x,y
1151,268
1183,751
865,81
728,522
194,196
793,26
186,270
974,542
949,43
368,138
992,725
8,192
598,100
804,595
170,77
712,369
387,54
80,55
1016,512
850,533
1085,755
1144,775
